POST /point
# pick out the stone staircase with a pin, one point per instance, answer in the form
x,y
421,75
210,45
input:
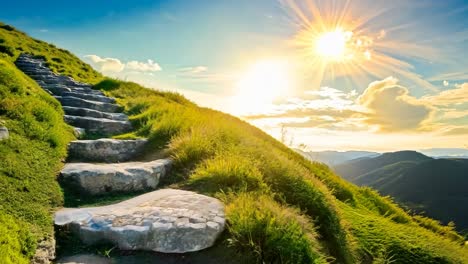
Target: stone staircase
x,y
168,220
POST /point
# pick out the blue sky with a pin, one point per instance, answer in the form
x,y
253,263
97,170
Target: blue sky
x,y
204,49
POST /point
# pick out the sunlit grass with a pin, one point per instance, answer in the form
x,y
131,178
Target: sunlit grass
x,y
215,154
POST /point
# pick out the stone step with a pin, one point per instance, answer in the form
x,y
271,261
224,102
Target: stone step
x,y
79,89
70,88
104,178
103,126
28,64
33,69
79,111
56,90
29,73
92,97
99,106
43,75
168,221
105,150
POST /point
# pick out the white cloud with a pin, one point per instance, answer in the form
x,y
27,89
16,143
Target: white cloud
x,y
384,106
113,65
458,95
392,108
105,64
149,66
193,70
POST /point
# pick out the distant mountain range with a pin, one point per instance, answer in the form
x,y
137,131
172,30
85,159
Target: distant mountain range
x,y
438,187
333,158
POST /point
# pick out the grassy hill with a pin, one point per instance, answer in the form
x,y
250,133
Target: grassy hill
x,y
436,187
280,207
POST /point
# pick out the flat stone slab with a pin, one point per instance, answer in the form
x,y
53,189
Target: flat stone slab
x,y
79,102
4,134
92,97
78,111
102,126
105,150
102,178
168,221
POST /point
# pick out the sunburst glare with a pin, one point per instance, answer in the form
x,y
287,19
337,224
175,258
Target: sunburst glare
x,y
336,41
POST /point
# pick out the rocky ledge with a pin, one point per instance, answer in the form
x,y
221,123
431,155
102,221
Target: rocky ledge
x,y
168,221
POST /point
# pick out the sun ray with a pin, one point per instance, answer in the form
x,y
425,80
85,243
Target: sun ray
x,y
336,41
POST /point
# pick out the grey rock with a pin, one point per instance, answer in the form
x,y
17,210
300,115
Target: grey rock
x,y
92,97
78,111
98,179
4,134
99,106
56,90
84,259
105,150
169,221
102,126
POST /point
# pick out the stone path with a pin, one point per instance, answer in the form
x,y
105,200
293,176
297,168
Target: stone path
x,y
169,221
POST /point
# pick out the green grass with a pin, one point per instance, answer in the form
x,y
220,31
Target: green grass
x,y
272,233
32,156
215,153
29,161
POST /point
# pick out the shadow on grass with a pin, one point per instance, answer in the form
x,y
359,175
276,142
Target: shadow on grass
x,y
72,198
221,252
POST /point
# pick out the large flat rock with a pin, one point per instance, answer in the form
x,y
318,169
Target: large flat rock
x,y
105,150
169,221
102,178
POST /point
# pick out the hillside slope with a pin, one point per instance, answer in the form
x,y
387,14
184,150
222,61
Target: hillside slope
x,y
436,187
280,207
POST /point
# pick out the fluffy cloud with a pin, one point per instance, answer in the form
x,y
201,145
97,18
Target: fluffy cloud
x,y
105,64
384,105
149,66
459,95
323,108
113,65
390,107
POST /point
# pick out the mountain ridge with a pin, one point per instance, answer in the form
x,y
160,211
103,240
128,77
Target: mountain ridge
x,y
426,185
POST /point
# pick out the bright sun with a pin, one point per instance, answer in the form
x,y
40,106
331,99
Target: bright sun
x,y
332,45
262,83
